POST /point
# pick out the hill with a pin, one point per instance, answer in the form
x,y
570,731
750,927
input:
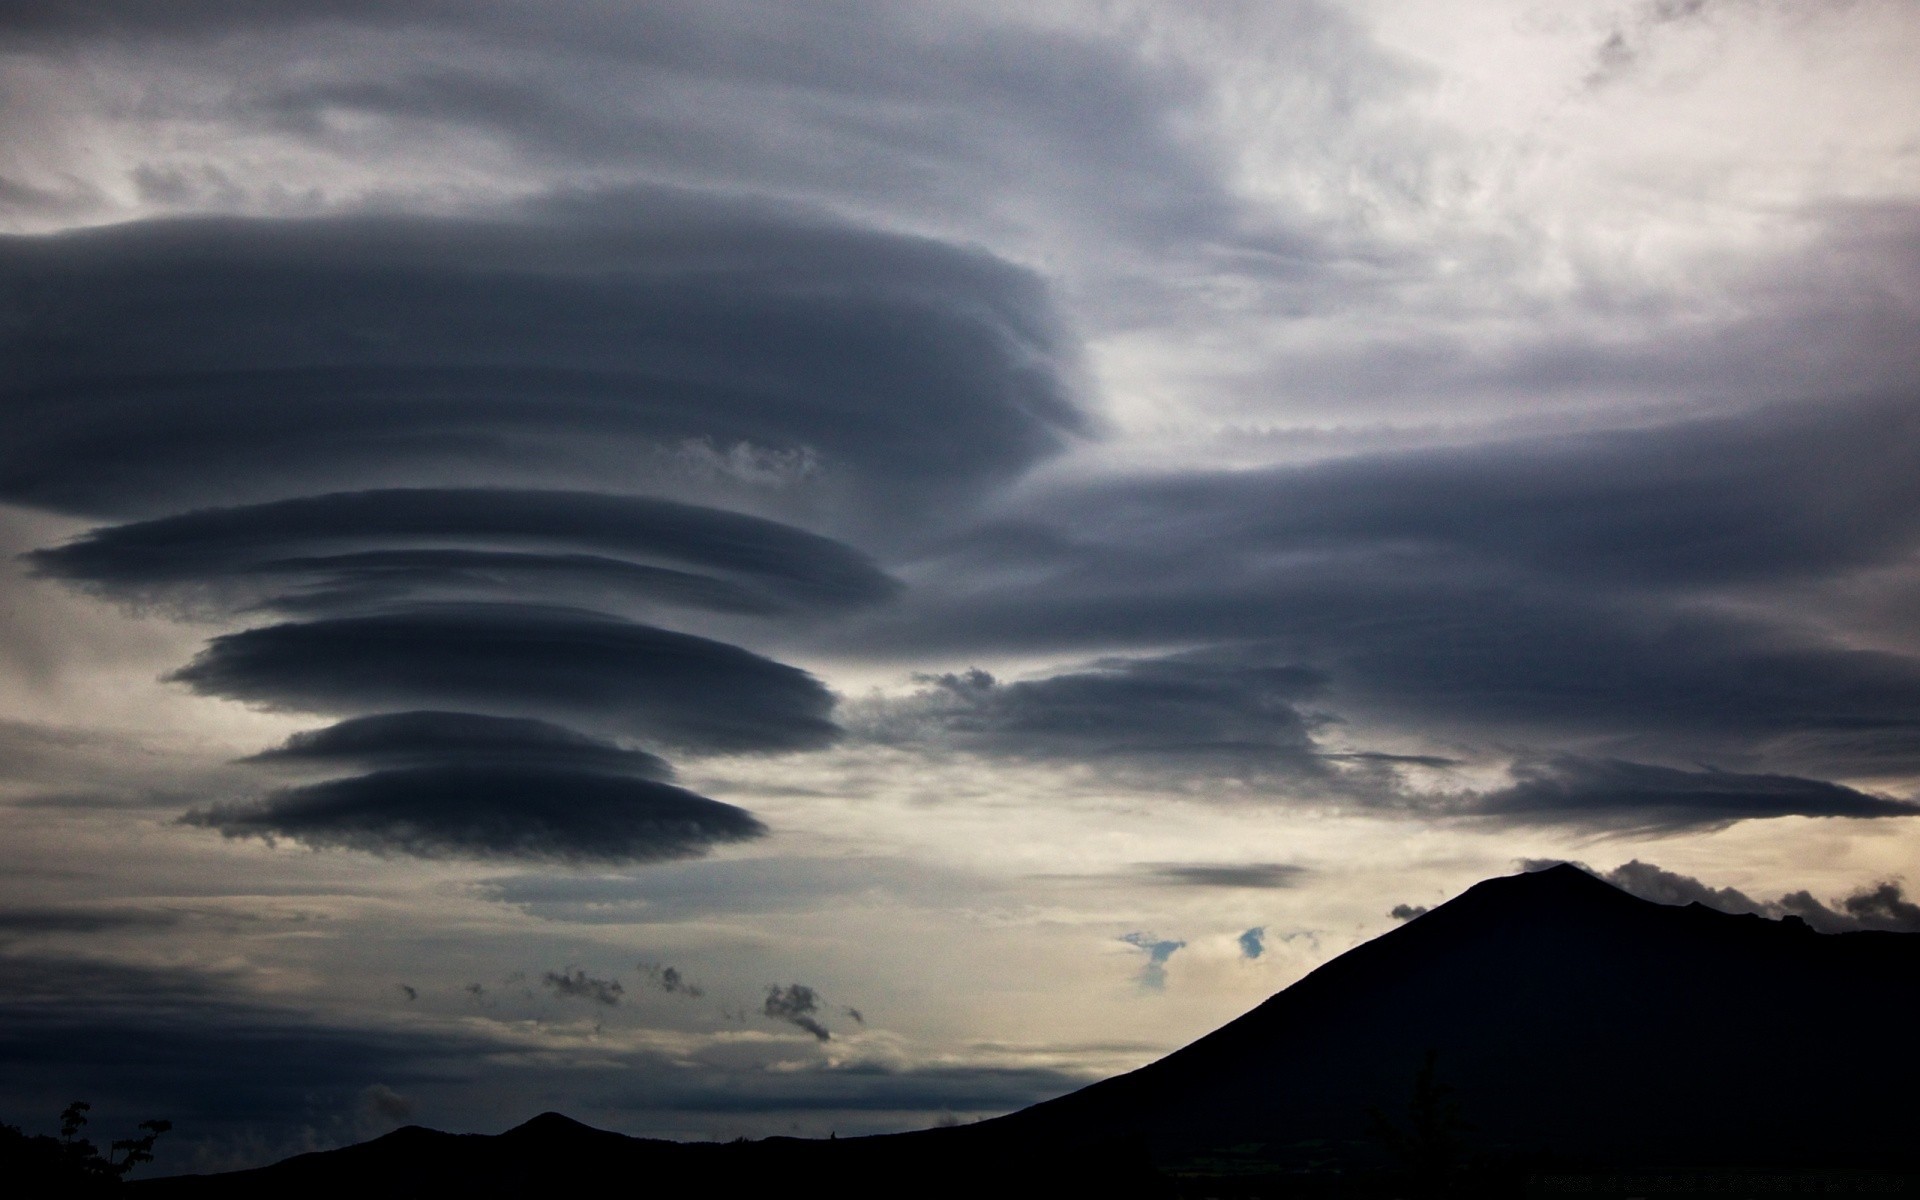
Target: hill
x,y
1545,1022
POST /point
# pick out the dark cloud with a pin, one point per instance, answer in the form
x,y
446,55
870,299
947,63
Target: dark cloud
x,y
512,659
578,985
1234,710
687,337
1880,906
410,992
1225,875
417,739
795,1004
492,811
1658,584
186,1046
671,980
1407,912
38,921
1613,793
351,549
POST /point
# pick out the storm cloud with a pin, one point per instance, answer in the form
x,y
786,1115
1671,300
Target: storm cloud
x,y
1652,584
411,739
514,660
492,811
1236,710
718,344
346,550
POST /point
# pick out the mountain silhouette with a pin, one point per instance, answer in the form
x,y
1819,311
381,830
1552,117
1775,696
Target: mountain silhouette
x,y
1545,1021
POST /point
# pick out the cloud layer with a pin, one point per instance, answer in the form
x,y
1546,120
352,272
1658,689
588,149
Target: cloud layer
x,y
722,345
516,660
491,811
346,551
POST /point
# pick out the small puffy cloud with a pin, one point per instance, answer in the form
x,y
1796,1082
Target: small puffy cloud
x,y
1407,912
671,980
1153,975
1253,943
382,1102
578,985
480,811
795,1004
1879,906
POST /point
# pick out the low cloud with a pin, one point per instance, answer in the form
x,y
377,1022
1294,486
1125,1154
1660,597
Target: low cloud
x,y
578,985
1407,912
1613,793
525,660
479,811
1879,906
1225,875
795,1004
42,921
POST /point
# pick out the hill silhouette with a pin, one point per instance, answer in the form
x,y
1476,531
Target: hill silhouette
x,y
1545,1022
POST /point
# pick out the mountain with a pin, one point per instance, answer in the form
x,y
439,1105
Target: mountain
x,y
1546,1021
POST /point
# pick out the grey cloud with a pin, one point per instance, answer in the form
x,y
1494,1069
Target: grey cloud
x,y
385,1103
1646,585
185,1045
1618,794
682,891
509,659
38,921
416,739
1226,875
1407,912
795,1004
563,344
578,985
1237,710
1751,496
492,811
343,550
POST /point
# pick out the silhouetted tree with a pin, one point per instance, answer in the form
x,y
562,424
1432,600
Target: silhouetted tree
x,y
36,1165
1429,1149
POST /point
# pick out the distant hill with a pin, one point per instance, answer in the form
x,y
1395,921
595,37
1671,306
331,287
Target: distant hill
x,y
1542,1023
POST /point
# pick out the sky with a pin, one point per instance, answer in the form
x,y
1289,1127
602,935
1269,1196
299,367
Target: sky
x,y
744,568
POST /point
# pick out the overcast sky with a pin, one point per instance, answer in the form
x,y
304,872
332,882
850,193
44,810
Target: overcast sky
x,y
741,568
